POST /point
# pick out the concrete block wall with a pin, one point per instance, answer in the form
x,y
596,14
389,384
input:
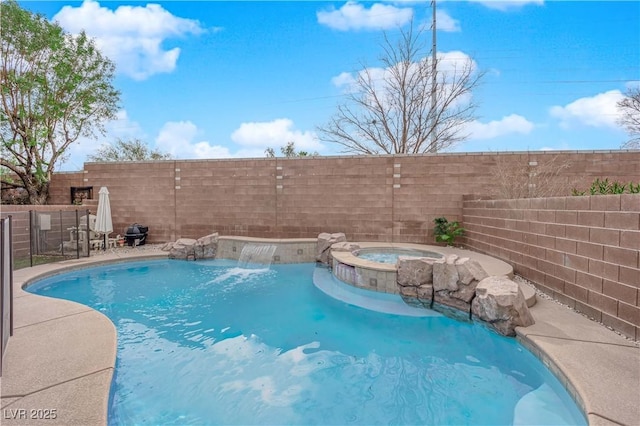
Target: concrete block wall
x,y
427,187
343,194
231,197
19,229
142,192
584,251
20,221
392,198
60,189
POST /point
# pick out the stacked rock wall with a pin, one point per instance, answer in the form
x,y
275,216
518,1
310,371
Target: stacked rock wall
x,y
188,248
449,285
462,284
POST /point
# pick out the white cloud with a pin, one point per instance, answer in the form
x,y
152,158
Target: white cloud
x,y
182,139
132,36
274,134
179,139
354,16
560,145
450,66
451,63
596,111
507,125
344,79
508,5
444,22
122,127
632,84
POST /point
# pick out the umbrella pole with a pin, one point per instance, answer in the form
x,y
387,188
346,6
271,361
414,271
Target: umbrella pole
x,y
104,243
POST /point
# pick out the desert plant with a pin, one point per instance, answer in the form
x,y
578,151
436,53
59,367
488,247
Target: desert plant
x,y
445,231
617,188
604,187
599,186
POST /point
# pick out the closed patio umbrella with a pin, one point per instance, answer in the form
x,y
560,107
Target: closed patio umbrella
x,y
104,225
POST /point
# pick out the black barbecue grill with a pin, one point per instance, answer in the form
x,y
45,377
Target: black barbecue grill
x,y
136,235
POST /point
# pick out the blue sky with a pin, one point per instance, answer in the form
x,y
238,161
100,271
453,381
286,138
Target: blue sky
x,y
213,79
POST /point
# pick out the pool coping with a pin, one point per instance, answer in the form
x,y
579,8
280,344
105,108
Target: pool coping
x,y
491,265
62,355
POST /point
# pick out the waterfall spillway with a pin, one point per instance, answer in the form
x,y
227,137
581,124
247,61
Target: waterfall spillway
x,y
256,256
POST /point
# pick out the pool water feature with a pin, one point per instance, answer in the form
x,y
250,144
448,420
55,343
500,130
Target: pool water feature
x,y
210,342
390,255
256,255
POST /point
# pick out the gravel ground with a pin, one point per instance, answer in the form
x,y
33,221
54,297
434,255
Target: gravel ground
x,y
542,295
150,248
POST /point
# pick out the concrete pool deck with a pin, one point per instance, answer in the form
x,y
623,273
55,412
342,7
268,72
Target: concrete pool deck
x,y
60,360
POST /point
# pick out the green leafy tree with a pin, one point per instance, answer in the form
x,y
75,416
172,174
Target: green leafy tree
x,y
289,150
56,88
128,150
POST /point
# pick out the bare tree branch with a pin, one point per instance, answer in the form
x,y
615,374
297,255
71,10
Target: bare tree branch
x,y
629,107
390,111
521,178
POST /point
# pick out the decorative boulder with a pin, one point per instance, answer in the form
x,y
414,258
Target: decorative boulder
x,y
415,279
184,248
469,270
206,246
323,247
500,302
445,274
470,273
425,293
345,246
168,246
455,280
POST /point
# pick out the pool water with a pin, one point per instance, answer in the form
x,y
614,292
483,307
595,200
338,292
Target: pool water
x,y
391,255
209,343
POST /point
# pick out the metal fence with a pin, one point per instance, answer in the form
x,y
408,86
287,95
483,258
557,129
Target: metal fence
x,y
49,236
6,285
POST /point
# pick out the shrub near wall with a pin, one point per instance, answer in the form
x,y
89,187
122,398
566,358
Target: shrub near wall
x,y
584,251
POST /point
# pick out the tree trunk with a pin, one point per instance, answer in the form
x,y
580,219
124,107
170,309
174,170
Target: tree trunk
x,y
38,191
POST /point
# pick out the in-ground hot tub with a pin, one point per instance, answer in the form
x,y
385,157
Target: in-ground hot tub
x,y
390,254
356,268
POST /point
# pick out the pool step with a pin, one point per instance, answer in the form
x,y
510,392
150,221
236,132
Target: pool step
x,y
542,406
529,294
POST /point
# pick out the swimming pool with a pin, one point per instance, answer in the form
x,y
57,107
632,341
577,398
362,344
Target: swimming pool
x,y
207,342
390,255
